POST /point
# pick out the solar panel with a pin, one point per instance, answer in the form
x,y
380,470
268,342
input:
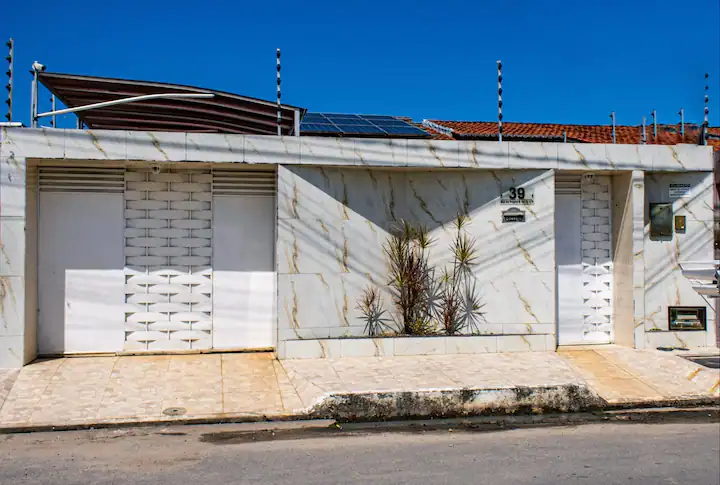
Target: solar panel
x,y
359,125
343,117
319,128
378,117
393,122
362,129
404,130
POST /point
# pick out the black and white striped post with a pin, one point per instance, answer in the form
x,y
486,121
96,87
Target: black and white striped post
x,y
706,111
279,110
499,74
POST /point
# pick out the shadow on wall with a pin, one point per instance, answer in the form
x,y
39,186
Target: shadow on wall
x,y
333,222
695,243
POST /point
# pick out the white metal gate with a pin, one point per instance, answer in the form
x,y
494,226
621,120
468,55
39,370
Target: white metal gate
x,y
583,258
136,258
80,259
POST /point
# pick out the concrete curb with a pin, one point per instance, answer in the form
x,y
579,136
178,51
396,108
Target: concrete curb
x,y
382,406
503,404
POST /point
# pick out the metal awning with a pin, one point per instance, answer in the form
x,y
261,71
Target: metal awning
x,y
223,113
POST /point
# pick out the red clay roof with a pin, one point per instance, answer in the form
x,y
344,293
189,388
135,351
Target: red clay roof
x,y
667,134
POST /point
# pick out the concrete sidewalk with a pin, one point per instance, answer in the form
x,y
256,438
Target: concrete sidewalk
x,y
84,391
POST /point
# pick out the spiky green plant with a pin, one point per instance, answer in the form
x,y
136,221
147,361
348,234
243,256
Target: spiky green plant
x,y
373,311
460,306
411,277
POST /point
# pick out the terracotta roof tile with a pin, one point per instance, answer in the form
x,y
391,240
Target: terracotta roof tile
x,y
667,134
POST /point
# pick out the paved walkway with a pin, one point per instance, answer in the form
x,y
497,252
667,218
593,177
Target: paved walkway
x,y
620,375
145,388
87,390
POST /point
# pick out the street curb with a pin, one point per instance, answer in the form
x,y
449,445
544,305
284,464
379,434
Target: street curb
x,y
499,404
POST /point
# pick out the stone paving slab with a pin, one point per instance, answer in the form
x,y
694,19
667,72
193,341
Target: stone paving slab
x,y
621,375
76,390
83,391
316,379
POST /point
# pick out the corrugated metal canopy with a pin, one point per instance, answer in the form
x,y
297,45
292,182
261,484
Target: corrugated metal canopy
x,y
224,113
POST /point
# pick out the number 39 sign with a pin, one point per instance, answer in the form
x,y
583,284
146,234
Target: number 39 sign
x,y
518,196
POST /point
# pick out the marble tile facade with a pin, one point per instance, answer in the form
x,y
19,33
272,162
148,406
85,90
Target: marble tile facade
x,y
664,284
333,222
333,219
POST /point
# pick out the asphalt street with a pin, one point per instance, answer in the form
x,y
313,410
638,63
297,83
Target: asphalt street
x,y
618,453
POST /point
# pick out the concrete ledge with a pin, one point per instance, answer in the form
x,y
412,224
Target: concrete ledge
x,y
378,406
406,346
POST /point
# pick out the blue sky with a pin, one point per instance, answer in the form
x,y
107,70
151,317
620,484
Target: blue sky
x,y
564,61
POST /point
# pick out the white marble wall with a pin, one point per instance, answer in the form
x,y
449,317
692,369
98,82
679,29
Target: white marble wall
x,y
341,252
218,148
664,284
332,223
13,204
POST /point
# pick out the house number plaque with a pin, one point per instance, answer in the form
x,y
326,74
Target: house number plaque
x,y
518,196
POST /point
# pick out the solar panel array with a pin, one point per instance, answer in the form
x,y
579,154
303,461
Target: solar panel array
x,y
358,125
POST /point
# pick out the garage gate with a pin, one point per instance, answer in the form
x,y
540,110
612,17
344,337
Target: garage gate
x,y
144,258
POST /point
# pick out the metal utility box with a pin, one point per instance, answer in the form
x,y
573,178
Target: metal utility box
x,y
687,318
661,220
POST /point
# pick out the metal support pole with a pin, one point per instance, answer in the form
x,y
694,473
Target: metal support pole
x,y
500,103
11,74
296,123
706,111
34,100
654,117
279,110
644,133
564,136
53,123
612,117
682,123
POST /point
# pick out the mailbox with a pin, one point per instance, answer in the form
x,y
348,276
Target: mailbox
x,y
661,220
687,317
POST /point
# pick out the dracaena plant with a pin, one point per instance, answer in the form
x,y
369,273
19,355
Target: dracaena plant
x,y
459,308
411,277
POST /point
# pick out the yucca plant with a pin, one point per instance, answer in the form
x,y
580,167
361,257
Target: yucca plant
x,y
411,277
459,310
373,311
